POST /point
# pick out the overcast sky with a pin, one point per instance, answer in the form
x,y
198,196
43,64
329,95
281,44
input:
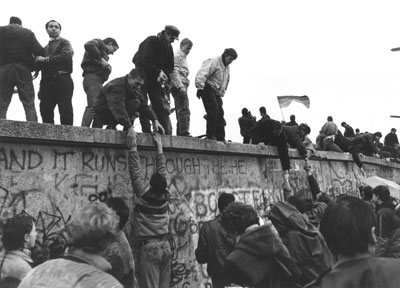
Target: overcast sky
x,y
336,52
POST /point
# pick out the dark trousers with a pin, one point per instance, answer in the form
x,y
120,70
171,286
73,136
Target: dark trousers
x,y
17,75
215,114
156,93
55,91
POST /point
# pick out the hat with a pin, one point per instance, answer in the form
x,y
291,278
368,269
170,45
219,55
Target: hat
x,y
173,31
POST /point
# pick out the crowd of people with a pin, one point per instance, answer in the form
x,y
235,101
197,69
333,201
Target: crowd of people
x,y
296,242
158,73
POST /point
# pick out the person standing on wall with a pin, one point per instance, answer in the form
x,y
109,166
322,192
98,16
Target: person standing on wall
x,y
179,86
96,71
56,86
156,57
18,45
211,83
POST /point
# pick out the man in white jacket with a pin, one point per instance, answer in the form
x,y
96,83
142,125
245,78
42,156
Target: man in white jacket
x,y
211,82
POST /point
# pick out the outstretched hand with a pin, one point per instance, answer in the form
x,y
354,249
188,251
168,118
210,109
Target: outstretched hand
x,y
131,138
158,142
158,128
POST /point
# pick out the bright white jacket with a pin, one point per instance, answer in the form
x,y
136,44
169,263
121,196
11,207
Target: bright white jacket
x,y
179,76
214,73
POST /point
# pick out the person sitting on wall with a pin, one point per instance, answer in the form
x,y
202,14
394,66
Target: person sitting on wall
x,y
19,235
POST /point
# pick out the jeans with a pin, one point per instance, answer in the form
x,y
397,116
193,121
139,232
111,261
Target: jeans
x,y
92,84
182,112
155,264
12,75
57,90
215,114
156,93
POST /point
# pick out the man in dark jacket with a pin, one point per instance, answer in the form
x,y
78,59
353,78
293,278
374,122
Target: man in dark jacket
x,y
155,56
215,243
259,259
384,212
119,102
247,123
347,226
18,46
348,130
96,71
56,86
366,143
391,144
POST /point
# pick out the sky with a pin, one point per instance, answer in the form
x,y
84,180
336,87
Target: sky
x,y
335,52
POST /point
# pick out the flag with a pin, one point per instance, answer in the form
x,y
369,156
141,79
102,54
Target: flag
x,y
284,101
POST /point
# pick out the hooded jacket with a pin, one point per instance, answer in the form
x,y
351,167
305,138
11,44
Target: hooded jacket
x,y
306,245
260,260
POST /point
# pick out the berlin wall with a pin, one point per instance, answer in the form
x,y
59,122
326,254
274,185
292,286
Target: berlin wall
x,y
51,171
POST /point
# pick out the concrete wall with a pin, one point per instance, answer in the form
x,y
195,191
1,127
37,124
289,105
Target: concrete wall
x,y
51,171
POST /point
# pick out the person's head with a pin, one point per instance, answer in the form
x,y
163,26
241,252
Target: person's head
x,y
276,128
366,193
344,124
393,131
171,33
297,202
158,183
347,226
229,56
377,135
111,45
224,200
330,119
136,78
293,118
238,216
304,129
186,45
245,111
19,232
93,228
15,20
121,209
357,131
263,111
382,193
53,28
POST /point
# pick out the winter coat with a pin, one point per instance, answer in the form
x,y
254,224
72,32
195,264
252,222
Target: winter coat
x,y
295,139
368,272
95,50
214,73
215,244
260,260
306,245
385,219
17,264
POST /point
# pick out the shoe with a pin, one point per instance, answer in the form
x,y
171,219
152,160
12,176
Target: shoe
x,y
187,134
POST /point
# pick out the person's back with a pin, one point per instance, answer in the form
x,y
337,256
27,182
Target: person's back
x,y
215,243
18,45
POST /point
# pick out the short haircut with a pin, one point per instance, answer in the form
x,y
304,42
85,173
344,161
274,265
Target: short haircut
x,y
344,124
245,111
297,202
158,183
138,73
47,24
329,118
347,226
224,200
93,228
292,117
15,229
378,134
121,208
366,192
263,110
15,20
357,130
238,216
393,130
230,52
305,128
109,40
382,192
185,42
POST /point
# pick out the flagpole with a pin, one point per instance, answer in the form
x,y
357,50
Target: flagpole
x,y
283,118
